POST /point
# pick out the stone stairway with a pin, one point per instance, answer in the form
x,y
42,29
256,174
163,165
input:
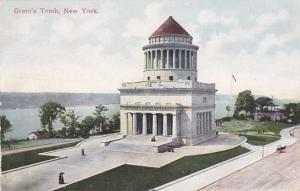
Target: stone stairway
x,y
140,144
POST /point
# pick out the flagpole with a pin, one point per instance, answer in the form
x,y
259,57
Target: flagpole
x,y
231,105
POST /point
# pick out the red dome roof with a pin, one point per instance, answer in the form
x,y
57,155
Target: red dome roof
x,y
170,26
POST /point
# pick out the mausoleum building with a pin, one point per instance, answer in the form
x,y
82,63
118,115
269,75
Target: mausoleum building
x,y
169,101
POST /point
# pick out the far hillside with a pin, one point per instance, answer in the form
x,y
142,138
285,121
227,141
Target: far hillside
x,y
35,100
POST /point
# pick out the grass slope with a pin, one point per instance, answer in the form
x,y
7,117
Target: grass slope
x,y
16,160
257,132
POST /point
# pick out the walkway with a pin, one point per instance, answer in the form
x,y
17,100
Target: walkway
x,y
76,167
210,175
280,171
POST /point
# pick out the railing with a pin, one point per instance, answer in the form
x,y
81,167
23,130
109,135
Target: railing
x,y
167,84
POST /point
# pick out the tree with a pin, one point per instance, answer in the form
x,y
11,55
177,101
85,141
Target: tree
x,y
245,102
228,110
100,119
292,111
261,102
86,125
5,127
70,121
48,114
114,123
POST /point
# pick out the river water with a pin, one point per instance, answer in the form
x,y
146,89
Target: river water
x,y
25,121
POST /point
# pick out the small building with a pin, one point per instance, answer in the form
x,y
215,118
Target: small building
x,y
271,112
38,135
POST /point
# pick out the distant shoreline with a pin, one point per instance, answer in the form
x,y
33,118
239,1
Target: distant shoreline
x,y
35,100
20,100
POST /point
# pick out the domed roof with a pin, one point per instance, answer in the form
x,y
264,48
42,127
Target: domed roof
x,y
170,27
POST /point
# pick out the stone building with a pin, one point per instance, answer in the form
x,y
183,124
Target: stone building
x,y
169,101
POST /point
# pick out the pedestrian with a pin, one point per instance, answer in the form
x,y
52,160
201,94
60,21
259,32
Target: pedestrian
x,y
61,178
82,152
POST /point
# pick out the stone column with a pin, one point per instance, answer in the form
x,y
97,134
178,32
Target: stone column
x,y
150,60
134,124
165,125
144,124
160,63
153,58
156,58
174,126
198,123
162,58
167,66
145,60
203,123
213,120
154,124
185,58
210,121
191,60
125,129
206,121
196,64
174,58
179,56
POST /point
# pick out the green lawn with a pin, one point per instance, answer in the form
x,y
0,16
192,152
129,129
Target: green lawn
x,y
261,140
138,178
257,132
33,143
16,160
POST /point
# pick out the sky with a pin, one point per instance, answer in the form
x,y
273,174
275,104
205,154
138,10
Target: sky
x,y
257,41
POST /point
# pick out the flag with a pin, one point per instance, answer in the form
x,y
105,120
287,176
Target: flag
x,y
233,77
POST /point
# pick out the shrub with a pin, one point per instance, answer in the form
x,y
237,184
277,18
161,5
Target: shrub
x,y
225,119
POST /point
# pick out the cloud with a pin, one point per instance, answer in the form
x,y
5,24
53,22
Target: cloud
x,y
153,17
269,19
209,17
259,70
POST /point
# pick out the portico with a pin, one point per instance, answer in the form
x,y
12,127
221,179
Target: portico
x,y
152,122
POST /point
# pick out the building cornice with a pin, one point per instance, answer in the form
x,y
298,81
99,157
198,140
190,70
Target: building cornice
x,y
164,91
170,46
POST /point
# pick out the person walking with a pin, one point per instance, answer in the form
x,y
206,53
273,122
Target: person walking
x,y
61,178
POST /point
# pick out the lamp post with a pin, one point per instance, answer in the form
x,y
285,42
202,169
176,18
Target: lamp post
x,y
0,121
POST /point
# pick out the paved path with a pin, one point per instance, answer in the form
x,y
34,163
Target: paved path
x,y
212,174
278,172
76,167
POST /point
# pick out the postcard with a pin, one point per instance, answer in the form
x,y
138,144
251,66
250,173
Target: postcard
x,y
138,95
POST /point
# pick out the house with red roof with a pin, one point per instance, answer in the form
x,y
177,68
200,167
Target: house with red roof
x,y
37,135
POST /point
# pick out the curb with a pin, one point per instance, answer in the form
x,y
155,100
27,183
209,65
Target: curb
x,y
58,157
199,172
34,164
